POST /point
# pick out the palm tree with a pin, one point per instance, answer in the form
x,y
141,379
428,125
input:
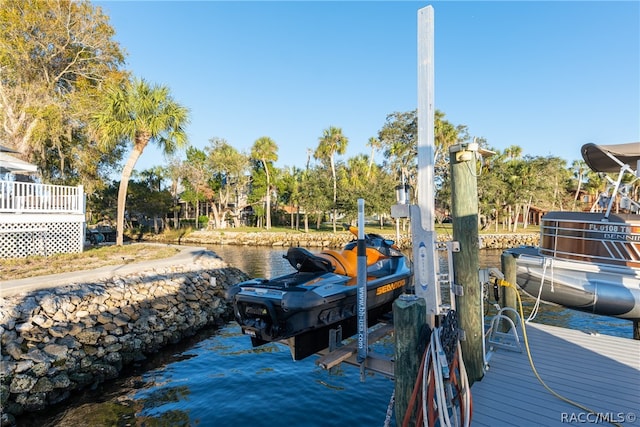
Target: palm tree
x,y
513,152
578,168
138,113
265,150
375,145
332,142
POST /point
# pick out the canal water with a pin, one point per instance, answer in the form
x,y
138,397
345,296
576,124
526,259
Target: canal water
x,y
217,379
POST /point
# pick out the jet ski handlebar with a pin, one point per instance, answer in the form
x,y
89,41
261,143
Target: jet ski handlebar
x,y
385,246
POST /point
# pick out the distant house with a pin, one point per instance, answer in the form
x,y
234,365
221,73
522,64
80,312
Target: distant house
x,y
37,219
535,215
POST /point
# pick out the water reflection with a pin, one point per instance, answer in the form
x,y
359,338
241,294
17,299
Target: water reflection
x,y
256,261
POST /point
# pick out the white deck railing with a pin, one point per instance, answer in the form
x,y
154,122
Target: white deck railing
x,y
19,197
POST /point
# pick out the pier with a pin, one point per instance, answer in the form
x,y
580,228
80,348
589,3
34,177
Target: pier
x,y
600,372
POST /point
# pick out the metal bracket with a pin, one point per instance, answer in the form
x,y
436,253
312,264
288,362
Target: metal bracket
x,y
450,245
457,290
335,338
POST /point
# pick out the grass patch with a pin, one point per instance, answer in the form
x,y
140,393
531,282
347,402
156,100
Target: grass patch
x,y
34,266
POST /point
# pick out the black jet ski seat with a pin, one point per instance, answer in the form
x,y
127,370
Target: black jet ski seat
x,y
343,262
306,262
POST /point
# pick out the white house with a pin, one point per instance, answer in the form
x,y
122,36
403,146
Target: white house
x,y
37,219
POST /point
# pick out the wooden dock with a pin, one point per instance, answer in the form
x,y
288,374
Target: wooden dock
x,y
600,372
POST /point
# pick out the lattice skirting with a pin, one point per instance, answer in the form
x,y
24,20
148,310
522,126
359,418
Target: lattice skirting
x,y
39,235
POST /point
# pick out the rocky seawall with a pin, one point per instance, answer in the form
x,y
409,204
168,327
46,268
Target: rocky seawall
x,y
61,340
338,240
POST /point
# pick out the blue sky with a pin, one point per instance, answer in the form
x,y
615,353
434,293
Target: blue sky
x,y
546,76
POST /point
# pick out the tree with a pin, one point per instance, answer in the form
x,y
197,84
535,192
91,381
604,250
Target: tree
x,y
331,142
399,137
266,151
139,113
197,180
146,200
366,182
492,191
55,56
375,145
513,152
173,171
316,198
289,186
578,168
229,168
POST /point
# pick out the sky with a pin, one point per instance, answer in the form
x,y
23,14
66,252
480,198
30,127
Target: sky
x,y
548,76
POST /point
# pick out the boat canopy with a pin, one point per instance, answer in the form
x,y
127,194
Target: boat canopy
x,y
599,157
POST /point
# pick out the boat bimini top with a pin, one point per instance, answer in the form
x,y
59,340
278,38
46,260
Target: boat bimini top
x,y
610,158
619,158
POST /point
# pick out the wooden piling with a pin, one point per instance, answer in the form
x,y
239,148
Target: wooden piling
x,y
636,330
409,319
508,294
464,208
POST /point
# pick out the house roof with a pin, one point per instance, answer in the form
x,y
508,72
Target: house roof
x,y
5,149
9,163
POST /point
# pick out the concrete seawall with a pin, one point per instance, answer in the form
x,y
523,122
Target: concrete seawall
x,y
60,339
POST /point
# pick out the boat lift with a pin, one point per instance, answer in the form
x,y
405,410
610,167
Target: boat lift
x,y
426,275
357,353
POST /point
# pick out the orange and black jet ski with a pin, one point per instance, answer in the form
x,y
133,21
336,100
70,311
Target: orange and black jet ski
x,y
300,308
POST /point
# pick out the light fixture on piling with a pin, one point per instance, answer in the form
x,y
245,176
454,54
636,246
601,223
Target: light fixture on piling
x,y
402,194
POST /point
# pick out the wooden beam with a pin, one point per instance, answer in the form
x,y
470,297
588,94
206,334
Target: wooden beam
x,y
341,354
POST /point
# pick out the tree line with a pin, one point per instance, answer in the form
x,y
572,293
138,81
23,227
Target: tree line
x,y
226,181
69,105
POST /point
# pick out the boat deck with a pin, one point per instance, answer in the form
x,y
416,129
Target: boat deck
x,y
600,372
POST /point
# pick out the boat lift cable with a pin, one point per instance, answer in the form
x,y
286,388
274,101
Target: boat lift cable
x,y
504,283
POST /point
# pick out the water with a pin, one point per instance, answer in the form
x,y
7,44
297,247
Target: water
x,y
217,379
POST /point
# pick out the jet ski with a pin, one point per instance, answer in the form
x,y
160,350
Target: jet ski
x,y
300,309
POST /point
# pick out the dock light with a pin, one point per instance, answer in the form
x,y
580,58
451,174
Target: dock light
x,y
402,194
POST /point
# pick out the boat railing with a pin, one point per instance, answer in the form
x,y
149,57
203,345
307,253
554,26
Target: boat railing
x,y
614,243
28,197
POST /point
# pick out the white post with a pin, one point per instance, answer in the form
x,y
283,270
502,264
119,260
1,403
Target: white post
x,y
82,203
424,236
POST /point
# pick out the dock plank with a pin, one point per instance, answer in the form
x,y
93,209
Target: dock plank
x,y
600,372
